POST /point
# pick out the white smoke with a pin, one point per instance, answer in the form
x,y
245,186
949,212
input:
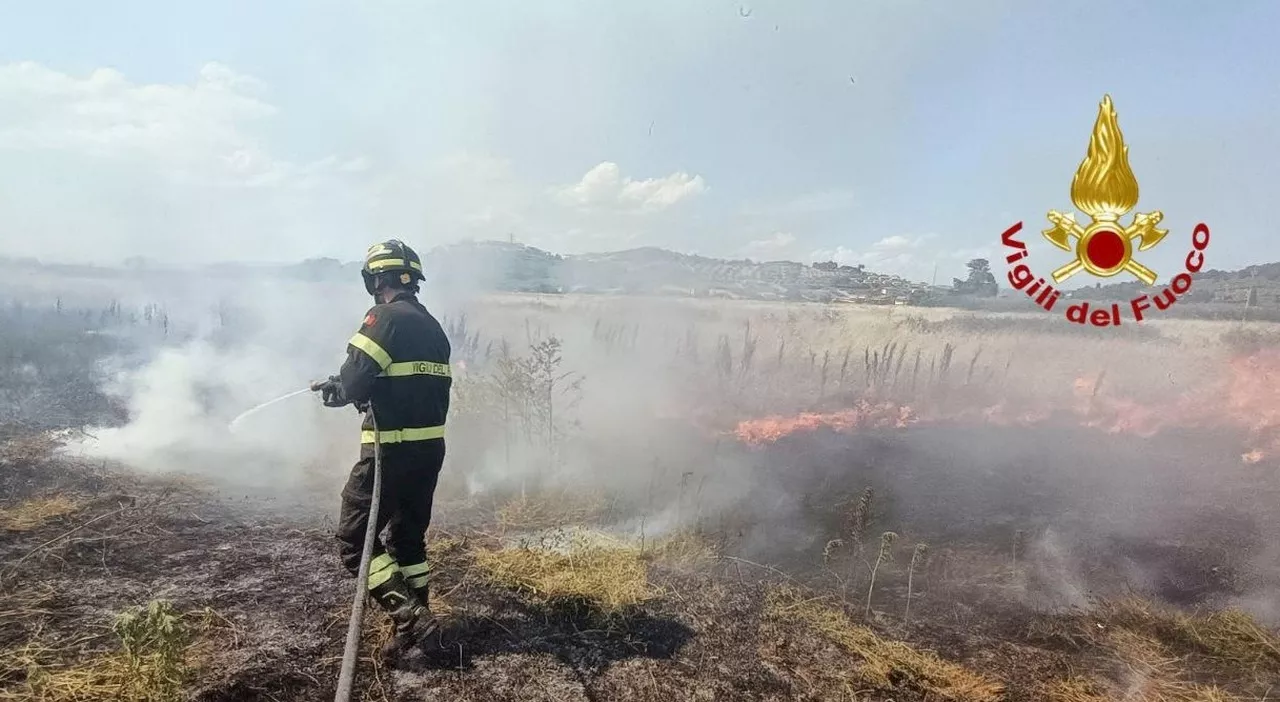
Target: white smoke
x,y
255,343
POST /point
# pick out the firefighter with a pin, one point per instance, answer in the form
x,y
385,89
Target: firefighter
x,y
398,363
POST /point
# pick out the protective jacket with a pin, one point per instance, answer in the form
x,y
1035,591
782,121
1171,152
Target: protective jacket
x,y
399,360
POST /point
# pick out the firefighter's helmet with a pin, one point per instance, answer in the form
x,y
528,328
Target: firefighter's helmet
x,y
390,257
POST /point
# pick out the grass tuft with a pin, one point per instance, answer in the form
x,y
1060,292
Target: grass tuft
x,y
1151,674
1229,637
150,664
610,575
684,548
886,664
36,512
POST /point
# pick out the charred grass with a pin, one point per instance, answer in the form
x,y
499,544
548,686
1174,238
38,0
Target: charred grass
x,y
877,662
227,604
1209,655
244,604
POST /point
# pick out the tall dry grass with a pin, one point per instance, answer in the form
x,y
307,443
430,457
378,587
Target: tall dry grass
x,y
782,357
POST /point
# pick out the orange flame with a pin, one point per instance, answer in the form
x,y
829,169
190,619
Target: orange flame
x,y
864,415
1243,399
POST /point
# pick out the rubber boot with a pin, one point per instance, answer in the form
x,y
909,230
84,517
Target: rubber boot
x,y
423,594
413,622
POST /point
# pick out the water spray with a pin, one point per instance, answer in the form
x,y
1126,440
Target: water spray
x,y
236,422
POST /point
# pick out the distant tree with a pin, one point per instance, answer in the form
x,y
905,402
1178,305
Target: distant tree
x,y
980,266
981,280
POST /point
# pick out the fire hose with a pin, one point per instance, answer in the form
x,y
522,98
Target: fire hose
x,y
346,677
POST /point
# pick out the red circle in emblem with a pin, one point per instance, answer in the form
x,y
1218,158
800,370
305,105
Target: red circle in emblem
x,y
1105,249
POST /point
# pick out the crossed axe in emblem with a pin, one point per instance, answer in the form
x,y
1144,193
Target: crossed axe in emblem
x,y
1065,228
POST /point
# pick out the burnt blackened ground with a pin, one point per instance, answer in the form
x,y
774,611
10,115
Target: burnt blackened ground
x,y
271,585
278,603
264,579
281,602
1178,518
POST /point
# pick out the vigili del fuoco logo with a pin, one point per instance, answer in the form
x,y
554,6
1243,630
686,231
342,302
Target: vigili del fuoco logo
x,y
1104,189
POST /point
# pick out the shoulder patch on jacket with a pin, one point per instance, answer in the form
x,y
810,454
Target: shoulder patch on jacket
x,y
369,319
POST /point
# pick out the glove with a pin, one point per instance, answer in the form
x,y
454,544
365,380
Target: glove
x,y
331,392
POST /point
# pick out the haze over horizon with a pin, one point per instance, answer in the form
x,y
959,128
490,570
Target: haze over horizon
x,y
901,136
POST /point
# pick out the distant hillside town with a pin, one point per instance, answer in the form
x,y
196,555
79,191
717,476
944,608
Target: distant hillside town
x,y
653,271
512,267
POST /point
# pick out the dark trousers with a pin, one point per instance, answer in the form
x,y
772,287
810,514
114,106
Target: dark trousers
x,y
409,474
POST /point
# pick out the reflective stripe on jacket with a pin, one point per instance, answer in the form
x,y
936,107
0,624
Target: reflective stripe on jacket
x,y
399,359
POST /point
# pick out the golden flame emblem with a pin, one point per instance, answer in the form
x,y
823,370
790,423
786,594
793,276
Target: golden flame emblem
x,y
1105,189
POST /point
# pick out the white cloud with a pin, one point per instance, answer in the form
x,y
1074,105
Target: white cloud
x,y
198,131
103,167
479,196
604,186
891,250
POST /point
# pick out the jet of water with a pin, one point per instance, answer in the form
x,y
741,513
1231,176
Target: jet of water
x,y
235,422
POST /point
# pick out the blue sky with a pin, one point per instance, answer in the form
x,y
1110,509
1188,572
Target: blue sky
x,y
901,134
